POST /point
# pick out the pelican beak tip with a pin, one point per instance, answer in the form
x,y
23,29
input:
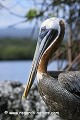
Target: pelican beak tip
x,y
23,98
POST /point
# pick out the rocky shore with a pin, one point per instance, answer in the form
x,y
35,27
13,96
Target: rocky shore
x,y
12,106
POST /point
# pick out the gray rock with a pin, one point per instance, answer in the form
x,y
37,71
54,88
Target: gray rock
x,y
12,106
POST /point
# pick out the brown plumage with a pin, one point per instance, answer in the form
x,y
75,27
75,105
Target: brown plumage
x,y
47,55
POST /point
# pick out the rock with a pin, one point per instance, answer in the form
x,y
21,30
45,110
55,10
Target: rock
x,y
12,106
3,105
15,84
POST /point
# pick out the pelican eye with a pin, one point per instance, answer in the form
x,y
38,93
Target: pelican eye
x,y
43,32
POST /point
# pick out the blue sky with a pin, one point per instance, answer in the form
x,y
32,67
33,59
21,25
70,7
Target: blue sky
x,y
19,7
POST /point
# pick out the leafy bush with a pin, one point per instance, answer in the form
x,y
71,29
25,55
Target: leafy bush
x,y
11,49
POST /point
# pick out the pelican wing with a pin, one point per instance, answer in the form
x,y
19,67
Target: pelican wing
x,y
70,81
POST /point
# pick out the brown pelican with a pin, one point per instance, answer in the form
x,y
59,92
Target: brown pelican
x,y
61,92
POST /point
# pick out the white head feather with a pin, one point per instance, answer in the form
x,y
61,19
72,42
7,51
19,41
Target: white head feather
x,y
52,23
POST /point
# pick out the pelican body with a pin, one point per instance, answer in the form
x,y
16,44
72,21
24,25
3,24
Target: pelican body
x,y
59,90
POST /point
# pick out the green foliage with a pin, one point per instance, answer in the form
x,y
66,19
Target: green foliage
x,y
31,14
12,49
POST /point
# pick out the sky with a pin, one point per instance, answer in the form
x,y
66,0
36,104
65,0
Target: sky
x,y
13,11
19,7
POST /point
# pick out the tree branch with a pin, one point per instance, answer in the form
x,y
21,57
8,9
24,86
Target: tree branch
x,y
12,13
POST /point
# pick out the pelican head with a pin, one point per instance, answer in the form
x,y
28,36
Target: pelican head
x,y
48,42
